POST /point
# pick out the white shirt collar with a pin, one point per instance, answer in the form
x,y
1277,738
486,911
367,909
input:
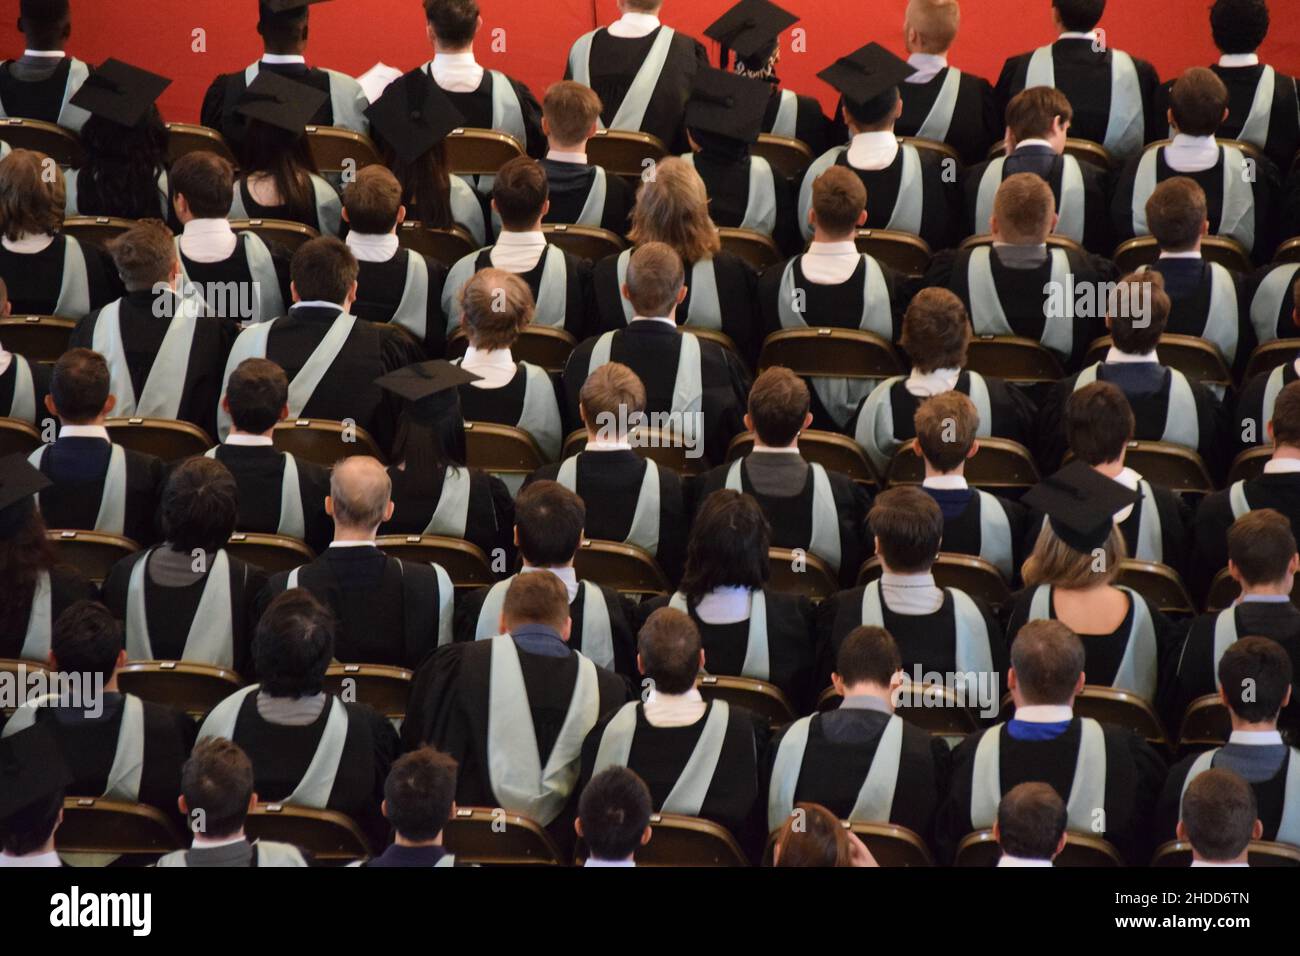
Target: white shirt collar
x,y
203,843
282,59
1232,60
319,304
50,859
946,483
633,25
674,710
84,431
1129,479
1044,713
787,450
1212,863
208,240
564,156
1034,141
353,544
249,441
608,864
928,384
1076,35
840,247
1282,466
52,54
531,238
1191,154
927,66
728,605
456,72
910,594
29,244
1115,357
487,358
1193,254
666,319
367,247
1256,738
566,575
596,444
873,150
1008,860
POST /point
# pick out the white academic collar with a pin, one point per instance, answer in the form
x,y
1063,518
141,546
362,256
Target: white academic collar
x,y
29,243
1008,860
946,482
1212,863
725,605
840,247
787,450
369,247
84,431
595,444
1256,738
1232,60
565,156
666,319
203,843
530,238
463,58
1040,247
249,441
657,696
282,59
1034,141
52,54
203,227
609,864
353,544
487,358
320,304
929,384
567,576
633,25
1115,357
1282,466
1192,254
31,860
1076,35
1185,141
923,63
893,579
1044,713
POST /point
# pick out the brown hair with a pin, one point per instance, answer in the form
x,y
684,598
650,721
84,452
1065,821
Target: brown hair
x,y
323,270
217,782
868,654
1048,658
1056,563
207,181
1219,810
1286,416
1031,112
144,255
1261,545
569,109
838,199
1198,101
1176,213
908,526
672,206
373,201
538,597
936,330
520,191
79,386
1024,205
1098,422
778,404
669,647
820,840
256,391
495,307
608,389
1031,821
655,276
936,23
32,195
946,426
1135,328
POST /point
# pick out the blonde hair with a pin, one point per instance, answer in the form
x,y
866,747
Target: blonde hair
x,y
672,207
1056,563
936,22
1024,205
495,307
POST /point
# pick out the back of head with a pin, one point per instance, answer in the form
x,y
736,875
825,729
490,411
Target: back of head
x,y
46,24
283,31
610,396
86,639
838,199
1286,417
1198,100
1079,16
1138,310
668,645
199,506
1031,821
360,491
1048,660
454,22
207,181
868,655
946,426
728,545
655,276
936,330
519,191
614,810
549,519
1176,214
672,207
908,526
495,307
33,194
419,793
1219,811
373,200
536,598
256,391
1055,561
79,386
1024,206
294,644
144,255
812,837
778,405
570,109
323,270
1032,112
936,23
1255,674
1261,545
1239,26
217,783
1099,422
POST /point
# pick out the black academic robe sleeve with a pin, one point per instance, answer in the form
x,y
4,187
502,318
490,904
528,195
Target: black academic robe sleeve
x,y
1209,541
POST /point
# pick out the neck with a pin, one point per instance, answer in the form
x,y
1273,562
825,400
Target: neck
x,y
933,472
578,147
342,533
870,689
266,434
759,443
403,841
884,566
440,47
110,685
1280,588
534,226
547,567
821,235
1257,727
1110,469
1243,858
1286,453
99,421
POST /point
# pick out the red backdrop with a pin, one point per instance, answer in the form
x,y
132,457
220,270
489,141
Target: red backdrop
x,y
533,36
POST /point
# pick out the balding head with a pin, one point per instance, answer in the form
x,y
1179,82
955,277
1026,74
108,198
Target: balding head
x,y
360,497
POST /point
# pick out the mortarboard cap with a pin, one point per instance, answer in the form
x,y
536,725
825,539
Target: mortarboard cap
x,y
868,79
44,9
1080,502
727,104
120,92
751,28
430,387
280,102
413,115
19,484
32,770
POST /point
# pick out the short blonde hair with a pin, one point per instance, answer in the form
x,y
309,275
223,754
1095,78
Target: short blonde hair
x,y
609,388
1024,206
936,22
495,307
570,108
672,207
1056,563
655,276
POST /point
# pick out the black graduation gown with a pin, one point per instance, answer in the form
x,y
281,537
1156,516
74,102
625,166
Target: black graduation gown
x,y
570,184
348,388
386,611
651,350
841,748
1248,426
218,108
1134,776
142,335
476,107
940,197
503,405
961,523
736,799
67,587
40,387
811,127
1284,327
256,210
259,472
216,277
171,610
791,641
1189,284
34,99
77,467
791,516
614,65
609,482
34,278
976,119
1175,524
1280,492
380,287
489,523
726,180
1270,794
577,285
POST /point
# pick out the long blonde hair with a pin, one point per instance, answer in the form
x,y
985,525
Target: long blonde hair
x,y
1056,563
672,207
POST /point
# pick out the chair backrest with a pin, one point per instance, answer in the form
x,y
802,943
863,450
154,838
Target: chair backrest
x,y
788,156
1177,853
1144,250
1158,583
93,553
1121,708
17,671
477,152
585,242
1013,358
1270,355
49,138
446,246
324,442
759,696
163,438
464,561
624,567
270,552
185,138
625,153
496,837
801,572
540,345
831,450
754,247
1289,251
901,251
501,449
95,230
689,841
1000,464
186,685
891,845
839,353
716,336
338,150
94,825
18,437
37,338
1053,240
941,150
1206,723
1250,463
1173,466
381,686
330,837
1223,591
291,235
1084,150
1081,849
965,572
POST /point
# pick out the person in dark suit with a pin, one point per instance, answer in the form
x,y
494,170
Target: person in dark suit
x,y
581,194
419,799
40,84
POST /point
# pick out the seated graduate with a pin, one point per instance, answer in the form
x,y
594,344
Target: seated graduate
x,y
278,176
1098,428
1092,766
1254,675
748,629
35,588
394,285
831,758
433,491
514,710
308,748
699,758
1256,402
752,30
1070,575
557,280
908,189
96,485
492,309
613,818
936,334
216,795
1274,305
975,522
41,84
125,144
332,358
697,386
1167,405
31,800
724,118
1240,192
48,273
814,837
1262,560
419,799
941,630
1038,123
1220,818
630,499
641,70
282,25
672,207
1031,823
165,354
384,610
548,530
117,746
23,383
807,507
581,194
1111,90
239,275
834,285
278,493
